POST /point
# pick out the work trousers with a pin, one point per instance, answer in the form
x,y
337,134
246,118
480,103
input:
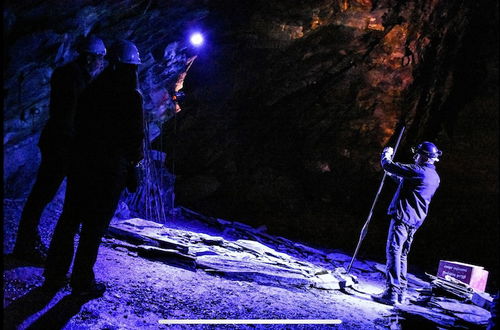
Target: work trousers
x,y
398,246
92,195
52,171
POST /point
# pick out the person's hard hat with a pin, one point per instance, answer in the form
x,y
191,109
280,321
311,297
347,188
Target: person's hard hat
x,y
92,45
428,149
126,52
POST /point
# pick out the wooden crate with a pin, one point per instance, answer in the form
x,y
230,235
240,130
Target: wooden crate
x,y
475,276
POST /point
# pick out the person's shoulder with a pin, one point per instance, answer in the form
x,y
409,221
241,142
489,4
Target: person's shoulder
x,y
132,97
430,170
137,95
70,66
429,167
103,83
408,166
414,170
435,171
70,69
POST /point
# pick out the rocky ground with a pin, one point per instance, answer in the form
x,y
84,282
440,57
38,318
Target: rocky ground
x,y
256,279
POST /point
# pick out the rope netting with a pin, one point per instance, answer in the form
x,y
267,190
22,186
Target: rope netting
x,y
154,198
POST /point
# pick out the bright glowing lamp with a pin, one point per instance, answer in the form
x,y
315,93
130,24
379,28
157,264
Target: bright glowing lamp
x,y
196,39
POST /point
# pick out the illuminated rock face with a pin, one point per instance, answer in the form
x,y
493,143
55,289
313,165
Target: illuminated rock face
x,y
287,104
291,124
41,35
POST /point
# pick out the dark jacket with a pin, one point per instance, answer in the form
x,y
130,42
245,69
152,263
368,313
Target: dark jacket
x,y
66,86
417,185
110,121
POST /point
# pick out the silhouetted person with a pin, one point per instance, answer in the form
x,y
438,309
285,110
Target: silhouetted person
x,y
108,141
67,84
409,207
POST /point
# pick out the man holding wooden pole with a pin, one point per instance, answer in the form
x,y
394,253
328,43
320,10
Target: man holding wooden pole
x,y
409,207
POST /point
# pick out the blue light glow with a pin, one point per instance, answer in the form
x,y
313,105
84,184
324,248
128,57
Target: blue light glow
x,y
196,39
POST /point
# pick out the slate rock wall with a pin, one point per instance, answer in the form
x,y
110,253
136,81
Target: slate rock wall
x,y
315,90
41,35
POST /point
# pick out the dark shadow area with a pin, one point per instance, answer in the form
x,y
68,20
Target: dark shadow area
x,y
11,262
60,314
20,309
412,321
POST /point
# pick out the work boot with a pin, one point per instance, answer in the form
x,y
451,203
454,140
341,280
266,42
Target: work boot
x,y
388,297
94,290
54,284
33,253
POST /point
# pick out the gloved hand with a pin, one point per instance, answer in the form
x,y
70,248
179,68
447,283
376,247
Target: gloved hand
x,y
387,153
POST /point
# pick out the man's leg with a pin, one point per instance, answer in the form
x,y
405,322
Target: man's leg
x,y
49,178
62,248
404,263
103,200
395,240
82,276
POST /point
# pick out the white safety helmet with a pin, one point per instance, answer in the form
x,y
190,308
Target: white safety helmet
x,y
125,51
92,45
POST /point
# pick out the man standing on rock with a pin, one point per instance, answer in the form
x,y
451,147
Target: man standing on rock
x,y
67,84
108,144
409,207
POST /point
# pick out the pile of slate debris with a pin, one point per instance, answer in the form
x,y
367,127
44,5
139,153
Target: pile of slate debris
x,y
242,252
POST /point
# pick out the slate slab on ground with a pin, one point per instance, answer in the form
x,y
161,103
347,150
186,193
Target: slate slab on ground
x,y
160,283
238,259
254,261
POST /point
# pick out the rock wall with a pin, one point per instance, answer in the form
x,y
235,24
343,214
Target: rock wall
x,y
288,106
298,102
41,35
